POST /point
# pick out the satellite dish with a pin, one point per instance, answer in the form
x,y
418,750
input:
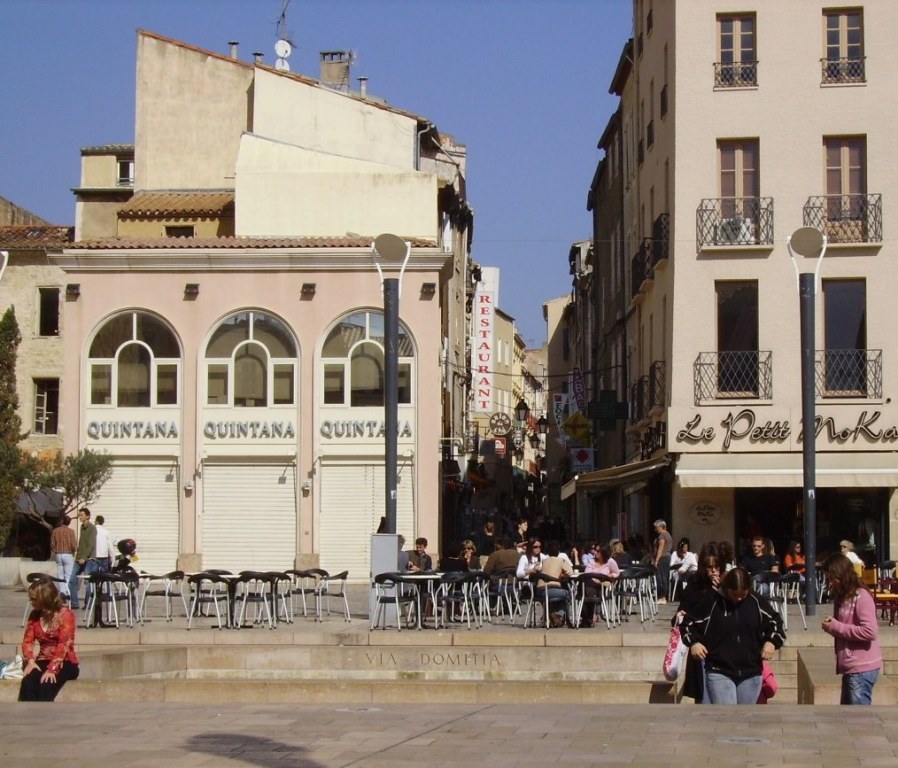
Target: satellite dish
x,y
282,64
283,49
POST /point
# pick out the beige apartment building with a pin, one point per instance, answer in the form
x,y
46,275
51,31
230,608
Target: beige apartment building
x,y
36,291
737,126
224,322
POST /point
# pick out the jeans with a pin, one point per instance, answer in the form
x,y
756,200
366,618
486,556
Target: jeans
x,y
89,567
662,577
719,689
858,687
65,567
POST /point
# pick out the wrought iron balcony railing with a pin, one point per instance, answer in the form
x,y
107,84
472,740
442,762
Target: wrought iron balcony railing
x,y
848,70
734,221
641,267
739,74
660,239
652,251
732,375
848,373
639,400
657,385
846,218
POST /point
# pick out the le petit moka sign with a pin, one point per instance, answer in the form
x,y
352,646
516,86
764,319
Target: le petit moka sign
x,y
757,429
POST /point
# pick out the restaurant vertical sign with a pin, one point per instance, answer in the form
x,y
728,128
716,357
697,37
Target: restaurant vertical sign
x,y
483,349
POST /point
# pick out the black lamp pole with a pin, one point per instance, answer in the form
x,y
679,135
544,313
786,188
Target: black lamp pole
x,y
806,295
391,398
397,250
808,241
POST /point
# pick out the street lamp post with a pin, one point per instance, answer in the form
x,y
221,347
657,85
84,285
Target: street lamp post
x,y
808,241
392,248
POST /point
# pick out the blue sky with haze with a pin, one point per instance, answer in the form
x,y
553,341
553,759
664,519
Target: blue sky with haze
x,y
522,83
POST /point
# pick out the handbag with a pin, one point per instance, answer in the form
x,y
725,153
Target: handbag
x,y
12,670
675,656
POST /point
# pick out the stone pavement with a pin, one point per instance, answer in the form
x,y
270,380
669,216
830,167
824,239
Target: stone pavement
x,y
443,736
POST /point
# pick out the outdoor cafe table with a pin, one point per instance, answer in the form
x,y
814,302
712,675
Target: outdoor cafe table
x,y
432,580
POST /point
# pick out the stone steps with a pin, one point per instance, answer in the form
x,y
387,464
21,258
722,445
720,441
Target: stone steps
x,y
354,666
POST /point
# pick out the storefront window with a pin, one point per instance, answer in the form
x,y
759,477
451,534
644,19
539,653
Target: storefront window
x,y
251,362
353,362
134,361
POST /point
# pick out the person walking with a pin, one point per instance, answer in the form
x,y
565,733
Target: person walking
x,y
855,629
733,633
63,545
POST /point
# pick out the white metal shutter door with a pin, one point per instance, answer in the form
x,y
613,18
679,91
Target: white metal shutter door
x,y
249,516
141,503
352,503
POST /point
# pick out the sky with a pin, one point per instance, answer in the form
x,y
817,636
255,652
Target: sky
x,y
522,83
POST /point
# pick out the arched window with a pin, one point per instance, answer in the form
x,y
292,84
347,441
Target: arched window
x,y
353,362
133,363
251,362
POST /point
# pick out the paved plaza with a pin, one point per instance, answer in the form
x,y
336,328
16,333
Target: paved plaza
x,y
290,735
437,736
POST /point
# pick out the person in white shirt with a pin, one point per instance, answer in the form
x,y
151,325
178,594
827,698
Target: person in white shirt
x,y
682,559
847,549
105,546
532,560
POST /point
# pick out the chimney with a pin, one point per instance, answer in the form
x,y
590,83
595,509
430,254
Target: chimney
x,y
257,57
233,44
335,69
363,86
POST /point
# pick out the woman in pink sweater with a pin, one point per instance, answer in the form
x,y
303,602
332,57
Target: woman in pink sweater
x,y
855,629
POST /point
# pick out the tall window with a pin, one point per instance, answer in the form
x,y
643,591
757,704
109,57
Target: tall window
x,y
846,186
845,335
843,46
48,314
737,62
133,363
251,362
737,336
353,362
46,406
740,183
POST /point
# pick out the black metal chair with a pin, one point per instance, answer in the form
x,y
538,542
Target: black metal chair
x,y
109,591
393,590
208,589
254,588
330,586
166,586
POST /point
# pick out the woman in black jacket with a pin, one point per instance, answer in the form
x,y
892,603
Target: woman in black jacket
x,y
704,581
732,630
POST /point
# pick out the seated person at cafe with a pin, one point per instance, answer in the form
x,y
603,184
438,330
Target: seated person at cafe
x,y
757,560
559,597
504,556
419,560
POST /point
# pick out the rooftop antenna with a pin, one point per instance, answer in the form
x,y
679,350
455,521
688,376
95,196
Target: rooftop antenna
x,y
284,46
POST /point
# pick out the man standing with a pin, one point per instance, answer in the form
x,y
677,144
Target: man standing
x,y
105,550
85,556
663,546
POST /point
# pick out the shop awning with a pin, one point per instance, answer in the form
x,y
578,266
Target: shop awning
x,y
611,477
784,470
